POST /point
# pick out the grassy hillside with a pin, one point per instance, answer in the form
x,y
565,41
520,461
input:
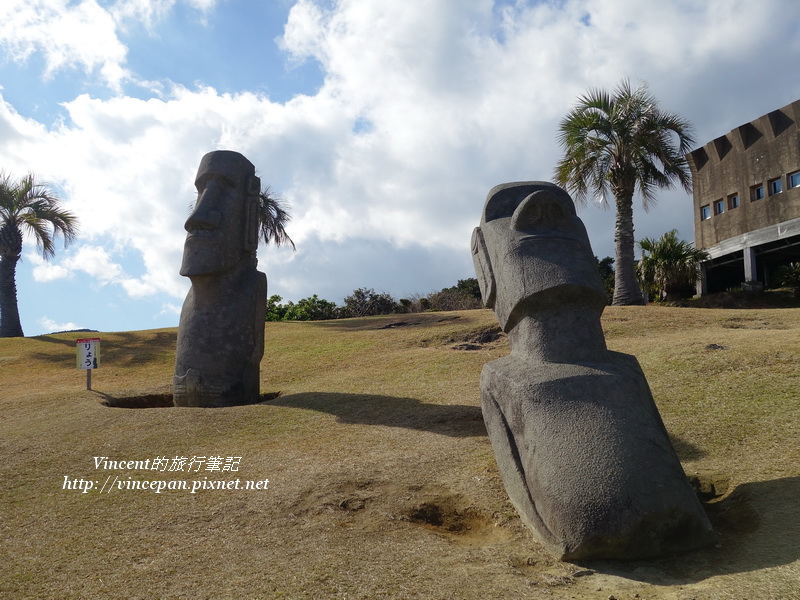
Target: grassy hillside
x,y
382,482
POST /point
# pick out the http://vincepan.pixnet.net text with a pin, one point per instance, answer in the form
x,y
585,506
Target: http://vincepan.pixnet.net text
x,y
188,474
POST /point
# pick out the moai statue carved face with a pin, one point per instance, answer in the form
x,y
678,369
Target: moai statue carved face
x,y
223,227
531,251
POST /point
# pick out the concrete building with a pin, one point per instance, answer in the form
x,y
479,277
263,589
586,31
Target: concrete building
x,y
747,201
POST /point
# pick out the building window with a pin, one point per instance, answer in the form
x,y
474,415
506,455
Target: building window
x,y
794,179
719,207
705,212
733,201
775,186
756,192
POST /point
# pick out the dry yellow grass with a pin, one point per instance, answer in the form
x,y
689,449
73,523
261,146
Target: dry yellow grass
x,y
382,483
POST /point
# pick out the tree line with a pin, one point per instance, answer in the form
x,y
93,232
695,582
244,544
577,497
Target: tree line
x,y
366,302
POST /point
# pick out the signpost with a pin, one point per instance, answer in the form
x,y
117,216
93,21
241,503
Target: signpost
x,y
88,357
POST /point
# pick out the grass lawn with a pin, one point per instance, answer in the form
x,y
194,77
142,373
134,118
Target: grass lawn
x,y
381,480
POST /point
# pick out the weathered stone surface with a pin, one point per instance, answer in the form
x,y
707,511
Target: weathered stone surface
x,y
221,331
579,442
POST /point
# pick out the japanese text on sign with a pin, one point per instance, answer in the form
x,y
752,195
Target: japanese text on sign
x,y
88,353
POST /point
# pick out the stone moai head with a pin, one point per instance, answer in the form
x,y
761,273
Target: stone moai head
x,y
531,250
222,230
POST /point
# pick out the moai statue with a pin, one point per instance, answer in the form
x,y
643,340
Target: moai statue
x,y
221,331
579,442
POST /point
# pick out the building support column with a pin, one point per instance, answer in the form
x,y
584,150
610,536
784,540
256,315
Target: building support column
x,y
751,284
701,285
749,264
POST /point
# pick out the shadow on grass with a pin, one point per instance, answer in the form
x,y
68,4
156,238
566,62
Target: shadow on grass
x,y
163,400
758,529
686,450
120,349
143,401
452,420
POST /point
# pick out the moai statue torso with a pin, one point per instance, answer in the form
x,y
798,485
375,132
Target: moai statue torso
x,y
581,447
221,331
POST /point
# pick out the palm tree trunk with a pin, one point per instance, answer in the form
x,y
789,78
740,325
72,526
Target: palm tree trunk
x,y
626,286
10,325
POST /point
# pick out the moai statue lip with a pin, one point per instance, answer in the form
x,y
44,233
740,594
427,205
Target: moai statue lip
x,y
579,442
221,331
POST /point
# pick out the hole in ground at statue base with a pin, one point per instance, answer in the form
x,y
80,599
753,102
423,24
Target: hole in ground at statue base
x,y
446,516
728,508
709,486
161,400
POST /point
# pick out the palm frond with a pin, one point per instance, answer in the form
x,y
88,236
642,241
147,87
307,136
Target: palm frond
x,y
273,218
29,205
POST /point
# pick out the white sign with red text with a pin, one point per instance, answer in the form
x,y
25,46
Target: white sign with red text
x,y
88,353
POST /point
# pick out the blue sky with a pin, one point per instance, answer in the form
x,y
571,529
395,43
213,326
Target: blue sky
x,y
382,125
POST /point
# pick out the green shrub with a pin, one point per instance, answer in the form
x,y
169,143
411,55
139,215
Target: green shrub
x,y
311,309
365,302
789,276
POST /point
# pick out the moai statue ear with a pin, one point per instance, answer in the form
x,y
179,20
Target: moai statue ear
x,y
483,268
252,221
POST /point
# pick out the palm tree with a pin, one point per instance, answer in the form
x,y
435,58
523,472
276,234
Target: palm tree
x,y
624,143
669,266
273,218
26,206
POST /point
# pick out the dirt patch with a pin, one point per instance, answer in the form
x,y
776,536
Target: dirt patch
x,y
477,341
446,516
449,318
742,323
425,319
715,347
397,324
347,497
370,505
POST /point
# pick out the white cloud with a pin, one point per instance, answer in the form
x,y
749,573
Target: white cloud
x,y
424,107
169,308
96,262
68,36
147,12
46,271
151,12
458,98
82,35
20,140
48,324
